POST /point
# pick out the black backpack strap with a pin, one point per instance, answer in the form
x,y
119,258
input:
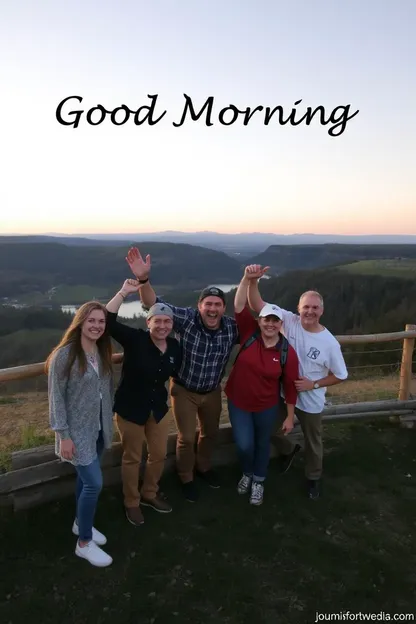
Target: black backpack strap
x,y
284,348
248,342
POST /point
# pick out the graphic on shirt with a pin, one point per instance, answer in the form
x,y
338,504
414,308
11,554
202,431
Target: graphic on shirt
x,y
275,360
172,360
313,353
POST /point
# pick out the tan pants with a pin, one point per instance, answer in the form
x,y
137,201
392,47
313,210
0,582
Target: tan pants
x,y
311,425
132,438
188,407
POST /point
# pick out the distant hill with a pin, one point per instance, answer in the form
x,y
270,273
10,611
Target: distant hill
x,y
283,258
404,268
242,244
38,267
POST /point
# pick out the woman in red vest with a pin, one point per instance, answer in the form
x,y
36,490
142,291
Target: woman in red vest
x,y
265,360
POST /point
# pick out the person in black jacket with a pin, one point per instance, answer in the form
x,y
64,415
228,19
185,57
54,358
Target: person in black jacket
x,y
150,359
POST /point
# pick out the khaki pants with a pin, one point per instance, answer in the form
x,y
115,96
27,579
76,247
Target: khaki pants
x,y
311,425
132,438
188,407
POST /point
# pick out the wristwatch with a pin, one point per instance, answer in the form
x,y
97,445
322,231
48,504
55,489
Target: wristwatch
x,y
143,281
316,385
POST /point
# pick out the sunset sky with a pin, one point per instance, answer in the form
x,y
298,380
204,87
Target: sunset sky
x,y
236,178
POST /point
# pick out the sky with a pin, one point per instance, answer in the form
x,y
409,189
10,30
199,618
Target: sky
x,y
228,178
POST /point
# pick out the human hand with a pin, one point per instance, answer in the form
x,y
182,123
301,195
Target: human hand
x,y
288,425
303,384
130,286
67,449
255,271
138,266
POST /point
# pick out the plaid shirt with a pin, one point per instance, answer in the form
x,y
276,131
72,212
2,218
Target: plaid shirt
x,y
204,353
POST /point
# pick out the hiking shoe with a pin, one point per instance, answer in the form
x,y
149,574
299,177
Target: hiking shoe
x,y
285,461
210,477
97,537
244,484
190,491
134,515
158,503
93,554
257,492
313,488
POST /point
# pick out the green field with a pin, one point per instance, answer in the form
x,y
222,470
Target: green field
x,y
67,295
392,267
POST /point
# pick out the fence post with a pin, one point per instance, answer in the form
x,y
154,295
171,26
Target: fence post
x,y
406,365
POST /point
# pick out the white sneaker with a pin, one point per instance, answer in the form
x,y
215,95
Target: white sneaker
x,y
244,484
94,554
257,491
97,537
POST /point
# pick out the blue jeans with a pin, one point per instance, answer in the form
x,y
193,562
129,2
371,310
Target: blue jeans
x,y
252,432
88,488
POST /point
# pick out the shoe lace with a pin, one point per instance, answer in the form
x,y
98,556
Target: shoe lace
x,y
257,490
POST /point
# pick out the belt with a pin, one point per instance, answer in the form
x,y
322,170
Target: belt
x,y
179,383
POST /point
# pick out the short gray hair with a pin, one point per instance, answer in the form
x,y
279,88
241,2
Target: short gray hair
x,y
312,292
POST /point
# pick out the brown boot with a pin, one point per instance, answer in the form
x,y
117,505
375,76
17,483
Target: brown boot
x,y
158,503
134,515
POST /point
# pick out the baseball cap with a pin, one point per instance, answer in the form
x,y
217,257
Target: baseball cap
x,y
212,291
160,309
270,310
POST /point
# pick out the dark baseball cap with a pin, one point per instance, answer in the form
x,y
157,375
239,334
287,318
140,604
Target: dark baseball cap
x,y
212,291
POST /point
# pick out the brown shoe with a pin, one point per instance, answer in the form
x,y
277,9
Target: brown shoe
x,y
134,515
158,503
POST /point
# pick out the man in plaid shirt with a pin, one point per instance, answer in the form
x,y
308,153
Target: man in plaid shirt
x,y
207,337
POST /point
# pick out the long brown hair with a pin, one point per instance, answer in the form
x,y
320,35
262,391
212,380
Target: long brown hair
x,y
72,337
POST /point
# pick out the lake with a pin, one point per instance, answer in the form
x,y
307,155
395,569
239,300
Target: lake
x,y
135,308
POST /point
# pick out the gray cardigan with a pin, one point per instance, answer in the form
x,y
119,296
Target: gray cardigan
x,y
74,407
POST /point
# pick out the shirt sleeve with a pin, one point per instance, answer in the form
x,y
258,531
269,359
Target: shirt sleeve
x,y
336,361
290,374
57,383
246,324
119,331
180,315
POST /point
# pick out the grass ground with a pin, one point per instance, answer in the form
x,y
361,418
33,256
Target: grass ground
x,y
224,562
405,268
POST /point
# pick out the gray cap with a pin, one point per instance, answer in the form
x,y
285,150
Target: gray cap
x,y
160,309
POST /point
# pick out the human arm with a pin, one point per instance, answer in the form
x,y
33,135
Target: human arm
x,y
119,331
58,418
240,299
141,270
337,372
291,374
255,300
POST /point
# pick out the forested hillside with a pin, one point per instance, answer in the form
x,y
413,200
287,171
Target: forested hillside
x,y
38,267
283,258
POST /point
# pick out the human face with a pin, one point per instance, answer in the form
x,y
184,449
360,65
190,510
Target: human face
x,y
94,325
310,311
160,326
211,310
270,326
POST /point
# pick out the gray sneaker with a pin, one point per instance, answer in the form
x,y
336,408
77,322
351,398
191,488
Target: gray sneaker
x,y
257,492
244,484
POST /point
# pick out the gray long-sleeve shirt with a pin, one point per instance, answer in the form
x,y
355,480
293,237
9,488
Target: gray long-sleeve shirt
x,y
74,407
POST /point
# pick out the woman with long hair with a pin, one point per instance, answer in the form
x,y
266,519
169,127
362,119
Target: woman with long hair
x,y
80,390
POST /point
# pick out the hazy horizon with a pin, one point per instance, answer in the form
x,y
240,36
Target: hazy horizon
x,y
227,178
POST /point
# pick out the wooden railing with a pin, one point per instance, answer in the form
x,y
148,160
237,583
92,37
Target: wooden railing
x,y
408,337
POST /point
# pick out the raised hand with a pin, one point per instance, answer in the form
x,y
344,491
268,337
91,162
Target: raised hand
x,y
130,286
139,267
255,271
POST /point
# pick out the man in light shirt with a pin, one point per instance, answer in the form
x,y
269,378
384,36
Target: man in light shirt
x,y
321,364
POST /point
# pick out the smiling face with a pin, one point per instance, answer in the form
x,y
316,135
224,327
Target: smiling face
x,y
94,325
160,326
270,326
310,309
211,310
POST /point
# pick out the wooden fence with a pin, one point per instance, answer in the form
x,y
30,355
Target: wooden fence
x,y
37,476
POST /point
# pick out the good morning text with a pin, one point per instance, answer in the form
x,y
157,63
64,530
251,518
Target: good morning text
x,y
70,113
